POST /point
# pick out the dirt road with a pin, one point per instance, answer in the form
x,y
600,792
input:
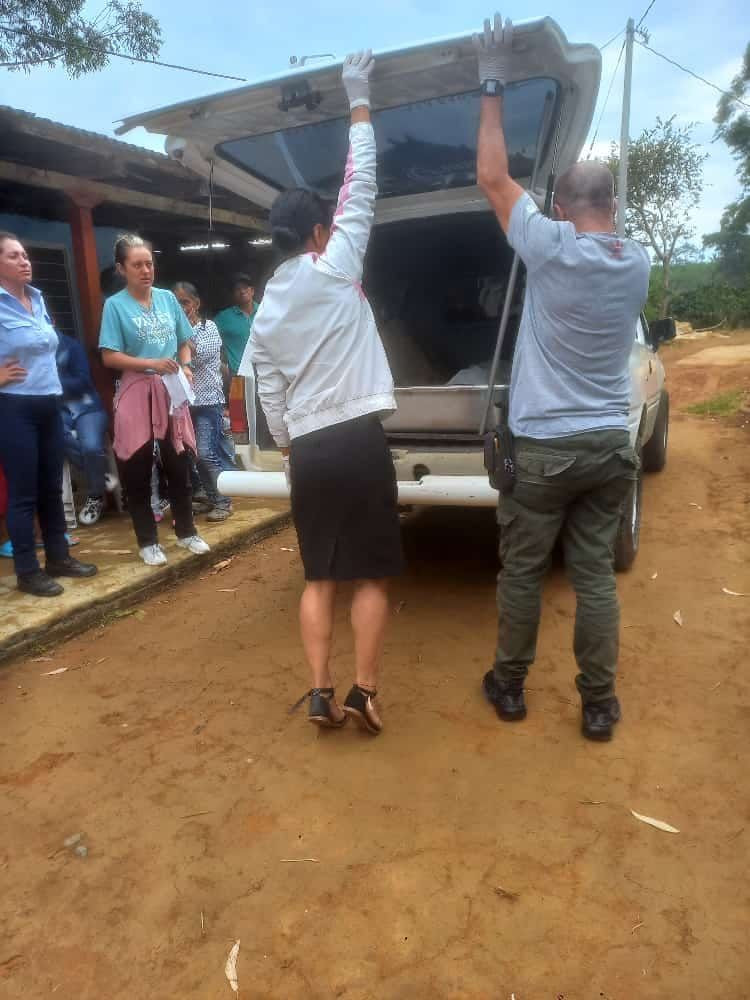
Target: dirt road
x,y
455,856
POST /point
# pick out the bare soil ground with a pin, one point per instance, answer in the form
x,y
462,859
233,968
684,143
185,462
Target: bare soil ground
x,y
455,856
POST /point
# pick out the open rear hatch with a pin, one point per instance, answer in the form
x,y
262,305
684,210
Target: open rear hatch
x,y
292,130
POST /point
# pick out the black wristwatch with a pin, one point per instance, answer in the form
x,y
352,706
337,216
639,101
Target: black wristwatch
x,y
492,88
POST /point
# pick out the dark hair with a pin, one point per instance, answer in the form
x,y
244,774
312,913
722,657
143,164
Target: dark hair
x,y
126,242
7,236
241,279
293,217
187,287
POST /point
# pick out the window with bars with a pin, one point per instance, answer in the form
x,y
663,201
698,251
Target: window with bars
x,y
51,269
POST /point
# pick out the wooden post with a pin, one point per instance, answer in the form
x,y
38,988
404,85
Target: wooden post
x,y
80,206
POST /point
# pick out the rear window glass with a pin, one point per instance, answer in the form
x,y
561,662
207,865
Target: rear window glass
x,y
425,146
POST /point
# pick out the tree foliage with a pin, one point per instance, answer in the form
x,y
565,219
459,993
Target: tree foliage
x,y
665,183
59,32
732,242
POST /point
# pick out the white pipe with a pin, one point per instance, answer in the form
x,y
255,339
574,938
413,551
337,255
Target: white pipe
x,y
431,491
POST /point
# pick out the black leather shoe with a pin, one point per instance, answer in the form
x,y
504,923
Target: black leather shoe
x,y
507,698
71,567
39,584
599,719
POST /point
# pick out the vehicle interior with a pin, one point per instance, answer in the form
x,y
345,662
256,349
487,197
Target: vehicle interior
x,y
437,287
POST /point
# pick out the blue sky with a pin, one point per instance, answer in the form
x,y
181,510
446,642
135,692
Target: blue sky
x,y
256,39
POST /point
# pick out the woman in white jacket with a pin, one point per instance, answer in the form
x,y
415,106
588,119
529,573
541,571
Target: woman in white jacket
x,y
324,383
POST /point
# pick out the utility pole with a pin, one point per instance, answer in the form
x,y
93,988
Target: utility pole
x,y
622,174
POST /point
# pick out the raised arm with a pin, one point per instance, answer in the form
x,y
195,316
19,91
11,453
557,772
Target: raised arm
x,y
355,210
493,51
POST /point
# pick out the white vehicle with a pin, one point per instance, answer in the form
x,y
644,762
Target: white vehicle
x,y
440,274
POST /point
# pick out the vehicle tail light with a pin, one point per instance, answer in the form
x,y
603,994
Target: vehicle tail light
x,y
237,410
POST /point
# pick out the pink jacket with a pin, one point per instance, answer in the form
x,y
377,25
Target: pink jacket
x,y
142,414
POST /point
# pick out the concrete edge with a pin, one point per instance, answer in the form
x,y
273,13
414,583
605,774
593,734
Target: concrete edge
x,y
80,620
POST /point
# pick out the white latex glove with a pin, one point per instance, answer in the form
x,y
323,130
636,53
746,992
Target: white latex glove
x,y
287,471
493,49
356,78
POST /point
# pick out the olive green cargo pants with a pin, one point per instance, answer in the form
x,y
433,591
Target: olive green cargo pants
x,y
573,487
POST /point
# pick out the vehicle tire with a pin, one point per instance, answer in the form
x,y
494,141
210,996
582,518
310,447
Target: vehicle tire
x,y
655,449
629,531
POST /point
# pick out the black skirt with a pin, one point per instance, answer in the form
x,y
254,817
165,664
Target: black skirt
x,y
345,502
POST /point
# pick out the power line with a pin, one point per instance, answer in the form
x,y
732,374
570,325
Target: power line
x,y
645,14
696,76
50,40
606,100
612,39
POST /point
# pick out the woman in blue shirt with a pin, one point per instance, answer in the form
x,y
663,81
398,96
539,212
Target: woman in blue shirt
x,y
31,432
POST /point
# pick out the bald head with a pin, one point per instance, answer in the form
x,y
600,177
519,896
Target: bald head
x,y
586,189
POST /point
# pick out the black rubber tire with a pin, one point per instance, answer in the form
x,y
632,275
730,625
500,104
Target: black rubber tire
x,y
655,449
629,531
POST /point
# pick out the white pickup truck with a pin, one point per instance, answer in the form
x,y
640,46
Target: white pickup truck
x,y
439,273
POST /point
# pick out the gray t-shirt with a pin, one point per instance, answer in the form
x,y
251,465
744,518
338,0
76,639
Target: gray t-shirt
x,y
584,293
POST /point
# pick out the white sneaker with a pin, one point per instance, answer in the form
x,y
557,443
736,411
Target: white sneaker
x,y
194,544
91,511
153,555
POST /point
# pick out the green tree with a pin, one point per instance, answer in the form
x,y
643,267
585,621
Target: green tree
x,y
732,242
52,32
665,182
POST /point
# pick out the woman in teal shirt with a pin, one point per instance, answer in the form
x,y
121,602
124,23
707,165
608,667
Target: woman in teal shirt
x,y
145,335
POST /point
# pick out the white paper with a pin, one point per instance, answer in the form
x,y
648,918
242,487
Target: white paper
x,y
179,389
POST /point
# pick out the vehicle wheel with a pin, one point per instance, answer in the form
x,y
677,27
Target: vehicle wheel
x,y
629,532
655,450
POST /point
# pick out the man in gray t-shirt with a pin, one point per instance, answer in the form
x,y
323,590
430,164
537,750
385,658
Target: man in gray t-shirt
x,y
569,402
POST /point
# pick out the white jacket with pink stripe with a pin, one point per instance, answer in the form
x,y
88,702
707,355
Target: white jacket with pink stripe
x,y
317,353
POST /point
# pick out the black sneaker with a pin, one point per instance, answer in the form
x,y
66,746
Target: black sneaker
x,y
71,567
599,719
507,698
39,584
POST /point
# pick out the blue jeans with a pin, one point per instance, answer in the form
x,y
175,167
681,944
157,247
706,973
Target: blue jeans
x,y
32,454
84,447
212,451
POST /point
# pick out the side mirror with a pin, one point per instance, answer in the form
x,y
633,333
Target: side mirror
x,y
661,331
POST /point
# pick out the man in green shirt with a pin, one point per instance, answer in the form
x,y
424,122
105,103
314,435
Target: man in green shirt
x,y
236,322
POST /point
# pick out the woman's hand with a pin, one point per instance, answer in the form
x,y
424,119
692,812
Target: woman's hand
x,y
11,372
163,366
356,78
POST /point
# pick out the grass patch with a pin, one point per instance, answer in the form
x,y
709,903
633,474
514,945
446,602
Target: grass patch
x,y
725,404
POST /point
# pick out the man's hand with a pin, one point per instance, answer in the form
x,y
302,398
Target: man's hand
x,y
356,78
493,49
12,371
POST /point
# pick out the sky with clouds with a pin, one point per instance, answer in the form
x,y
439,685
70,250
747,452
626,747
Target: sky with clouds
x,y
255,40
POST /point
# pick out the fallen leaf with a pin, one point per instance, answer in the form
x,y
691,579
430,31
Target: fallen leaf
x,y
51,673
677,617
131,613
227,590
113,552
733,593
654,576
297,861
506,893
101,660
219,566
634,929
400,607
691,504
658,823
42,659
285,549
230,969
